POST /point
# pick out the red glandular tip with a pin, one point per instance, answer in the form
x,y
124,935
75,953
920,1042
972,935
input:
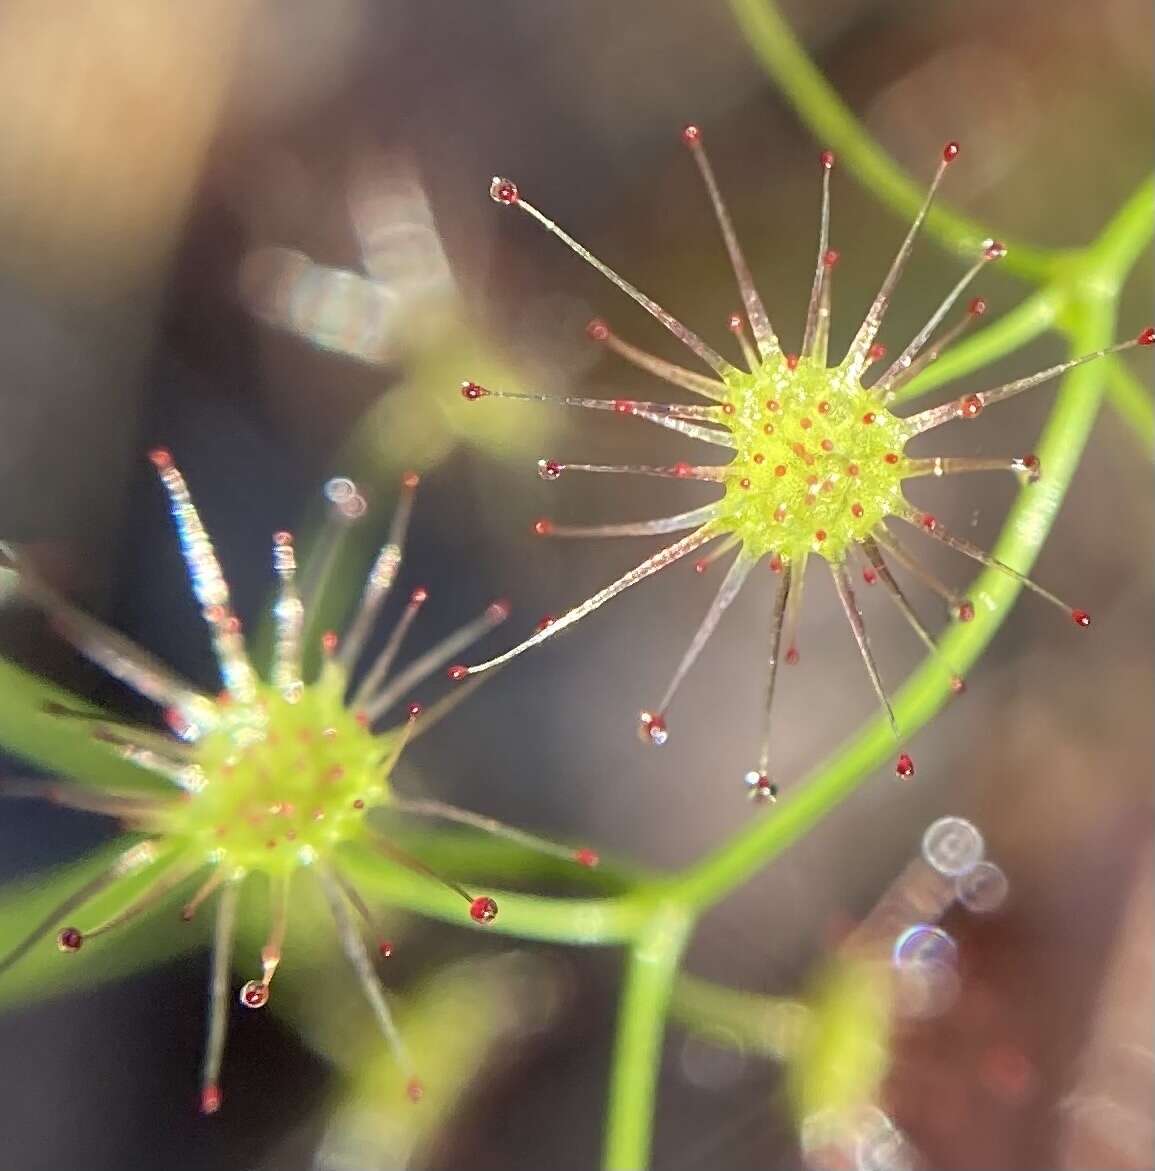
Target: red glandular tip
x,y
950,152
876,352
830,257
544,623
254,994
1081,618
503,190
791,361
701,565
869,576
958,684
160,457
210,1099
483,909
414,1090
598,330
965,610
977,307
826,159
548,469
410,479
413,710
734,323
329,641
970,406
994,250
419,596
472,392
283,538
457,672
69,939
586,857
904,767
498,610
543,527
652,728
691,135
385,948
1147,337
792,656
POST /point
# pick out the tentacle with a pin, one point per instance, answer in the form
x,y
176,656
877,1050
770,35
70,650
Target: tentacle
x,y
255,993
354,948
381,576
346,506
970,406
854,617
874,555
384,945
113,732
130,861
794,609
1025,467
960,607
727,592
551,469
857,356
764,335
127,806
777,622
443,652
675,375
506,192
937,347
289,618
650,566
208,582
992,250
738,329
224,935
378,672
176,871
117,655
641,528
933,528
443,812
818,311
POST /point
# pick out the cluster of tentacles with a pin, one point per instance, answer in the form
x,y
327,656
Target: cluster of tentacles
x,y
815,455
268,777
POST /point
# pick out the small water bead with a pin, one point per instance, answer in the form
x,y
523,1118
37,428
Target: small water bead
x,y
923,943
652,728
760,788
953,846
983,889
254,994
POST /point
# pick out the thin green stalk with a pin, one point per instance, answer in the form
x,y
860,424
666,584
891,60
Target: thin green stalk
x,y
1132,403
769,1026
651,969
832,122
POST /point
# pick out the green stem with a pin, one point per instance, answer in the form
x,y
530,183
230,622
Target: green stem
x,y
831,121
1132,403
1122,241
652,966
769,1026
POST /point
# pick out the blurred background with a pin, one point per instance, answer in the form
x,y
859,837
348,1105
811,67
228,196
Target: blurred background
x,y
258,233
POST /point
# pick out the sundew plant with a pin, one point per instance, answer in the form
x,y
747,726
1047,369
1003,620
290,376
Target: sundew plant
x,y
280,792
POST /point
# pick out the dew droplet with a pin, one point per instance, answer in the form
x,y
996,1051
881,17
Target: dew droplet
x,y
983,888
923,943
952,845
457,672
950,152
904,767
994,250
254,994
503,190
548,469
970,406
1081,618
472,392
483,909
760,788
652,728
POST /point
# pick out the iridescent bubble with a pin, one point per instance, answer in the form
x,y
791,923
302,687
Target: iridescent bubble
x,y
983,888
952,845
713,1060
339,489
883,1147
924,944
